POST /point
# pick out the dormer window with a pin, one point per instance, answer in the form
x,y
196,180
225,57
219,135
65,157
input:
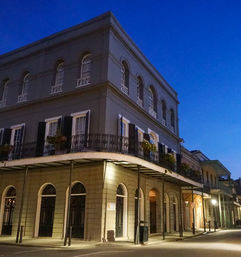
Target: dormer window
x,y
125,78
59,78
23,88
85,71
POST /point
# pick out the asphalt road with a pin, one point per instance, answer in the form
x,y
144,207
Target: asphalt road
x,y
219,244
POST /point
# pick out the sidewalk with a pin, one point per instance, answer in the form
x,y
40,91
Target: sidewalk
x,y
81,244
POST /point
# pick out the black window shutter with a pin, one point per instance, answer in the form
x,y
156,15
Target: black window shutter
x,y
146,137
87,118
6,136
67,131
179,159
40,138
133,139
59,125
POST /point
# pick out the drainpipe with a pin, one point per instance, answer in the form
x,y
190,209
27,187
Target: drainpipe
x,y
180,213
193,214
21,204
137,238
69,200
163,211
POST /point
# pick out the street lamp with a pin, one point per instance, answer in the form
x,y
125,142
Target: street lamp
x,y
214,203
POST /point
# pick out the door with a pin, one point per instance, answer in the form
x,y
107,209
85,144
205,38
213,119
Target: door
x,y
46,217
8,215
119,216
77,215
152,196
174,217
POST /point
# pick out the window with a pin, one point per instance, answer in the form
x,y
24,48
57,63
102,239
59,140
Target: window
x,y
80,129
172,120
152,102
139,91
59,79
124,126
125,78
164,113
17,135
23,89
85,71
121,211
3,93
52,126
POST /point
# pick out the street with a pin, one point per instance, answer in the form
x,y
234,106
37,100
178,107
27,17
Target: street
x,y
221,244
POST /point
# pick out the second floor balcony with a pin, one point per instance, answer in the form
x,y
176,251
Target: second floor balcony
x,y
93,143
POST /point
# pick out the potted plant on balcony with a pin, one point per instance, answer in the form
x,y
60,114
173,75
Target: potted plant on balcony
x,y
147,148
58,141
5,150
168,160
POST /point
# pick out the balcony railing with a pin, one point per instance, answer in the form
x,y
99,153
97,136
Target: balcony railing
x,y
94,142
56,88
83,81
22,98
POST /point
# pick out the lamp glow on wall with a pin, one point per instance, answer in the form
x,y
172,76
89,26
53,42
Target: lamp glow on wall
x,y
214,201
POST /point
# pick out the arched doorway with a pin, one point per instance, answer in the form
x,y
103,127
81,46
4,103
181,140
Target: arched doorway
x,y
153,200
77,210
8,202
141,208
121,211
46,218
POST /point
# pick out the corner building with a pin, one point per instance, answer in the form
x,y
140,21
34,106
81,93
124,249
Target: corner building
x,y
83,109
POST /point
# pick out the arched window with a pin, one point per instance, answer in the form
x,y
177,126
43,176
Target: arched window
x,y
59,78
77,210
164,113
121,211
3,92
172,120
85,71
8,203
46,216
139,91
23,88
152,102
125,78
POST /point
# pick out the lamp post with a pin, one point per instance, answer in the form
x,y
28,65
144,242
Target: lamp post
x,y
214,203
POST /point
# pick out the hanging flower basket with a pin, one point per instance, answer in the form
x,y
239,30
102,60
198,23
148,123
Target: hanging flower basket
x,y
147,146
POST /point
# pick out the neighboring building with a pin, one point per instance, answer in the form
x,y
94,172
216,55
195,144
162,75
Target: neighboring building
x,y
220,207
84,109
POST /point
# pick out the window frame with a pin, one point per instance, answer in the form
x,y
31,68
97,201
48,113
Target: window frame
x,y
76,115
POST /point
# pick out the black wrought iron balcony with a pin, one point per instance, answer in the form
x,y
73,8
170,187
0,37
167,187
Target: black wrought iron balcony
x,y
94,142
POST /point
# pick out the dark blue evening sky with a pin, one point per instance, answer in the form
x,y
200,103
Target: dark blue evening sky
x,y
196,46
